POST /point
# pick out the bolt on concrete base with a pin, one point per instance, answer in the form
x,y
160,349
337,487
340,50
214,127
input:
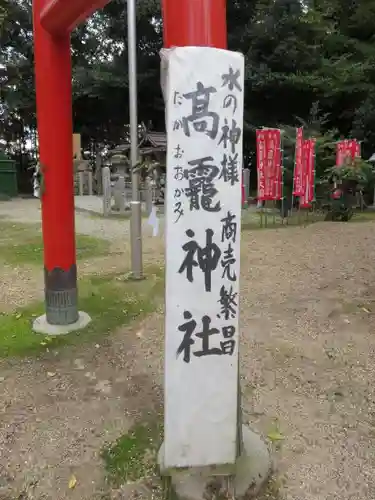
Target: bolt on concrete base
x,y
40,325
252,470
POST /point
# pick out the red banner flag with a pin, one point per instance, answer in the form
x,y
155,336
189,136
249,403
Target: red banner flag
x,y
355,149
261,160
269,164
243,194
278,167
298,165
348,148
308,177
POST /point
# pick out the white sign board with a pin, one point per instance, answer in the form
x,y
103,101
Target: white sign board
x,y
204,92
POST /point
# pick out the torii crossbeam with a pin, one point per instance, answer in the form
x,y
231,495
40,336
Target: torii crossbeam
x,y
185,22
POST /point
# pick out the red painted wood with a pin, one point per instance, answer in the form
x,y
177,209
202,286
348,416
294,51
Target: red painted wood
x,y
62,16
54,114
195,22
186,22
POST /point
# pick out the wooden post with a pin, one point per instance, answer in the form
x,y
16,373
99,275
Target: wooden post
x,y
246,176
203,428
107,191
98,174
195,292
148,196
89,182
77,152
81,183
201,23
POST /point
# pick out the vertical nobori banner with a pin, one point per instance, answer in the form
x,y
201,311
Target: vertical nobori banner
x,y
275,143
298,164
356,149
308,178
204,95
347,149
261,164
269,164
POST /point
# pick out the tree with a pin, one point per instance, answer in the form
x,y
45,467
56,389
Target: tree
x,y
295,53
325,147
282,59
17,75
348,61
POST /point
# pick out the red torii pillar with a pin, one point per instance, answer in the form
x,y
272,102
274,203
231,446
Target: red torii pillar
x,y
199,23
186,22
53,21
54,114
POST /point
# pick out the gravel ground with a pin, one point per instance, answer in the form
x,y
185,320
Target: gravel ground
x,y
307,366
18,287
307,355
28,210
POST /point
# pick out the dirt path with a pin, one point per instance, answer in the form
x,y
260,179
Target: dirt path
x,y
28,211
56,414
307,364
308,354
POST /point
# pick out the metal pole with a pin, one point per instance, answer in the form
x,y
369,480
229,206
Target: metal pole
x,y
136,209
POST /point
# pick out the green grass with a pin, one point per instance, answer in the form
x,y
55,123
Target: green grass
x,y
9,230
257,220
266,220
22,244
110,300
365,216
273,489
133,456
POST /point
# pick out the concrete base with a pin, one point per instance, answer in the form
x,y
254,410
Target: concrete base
x,y
40,325
252,470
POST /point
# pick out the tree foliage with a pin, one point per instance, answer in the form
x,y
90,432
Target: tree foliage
x,y
297,53
314,126
357,170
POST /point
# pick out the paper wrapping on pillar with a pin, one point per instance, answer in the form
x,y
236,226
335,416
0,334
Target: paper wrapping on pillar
x,y
204,92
